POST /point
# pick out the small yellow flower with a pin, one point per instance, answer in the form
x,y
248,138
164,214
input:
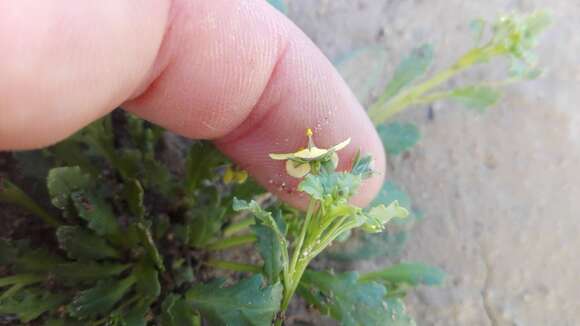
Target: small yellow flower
x,y
299,163
234,174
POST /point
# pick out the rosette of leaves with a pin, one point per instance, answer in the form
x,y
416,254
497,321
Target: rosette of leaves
x,y
126,245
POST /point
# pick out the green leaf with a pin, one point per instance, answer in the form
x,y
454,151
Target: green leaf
x,y
136,316
280,5
201,160
147,286
30,304
84,245
133,194
378,216
270,245
35,261
269,232
348,300
363,166
411,68
100,299
362,70
271,251
389,243
330,185
159,178
408,273
366,246
391,192
87,271
147,240
62,182
276,223
11,194
204,224
518,35
97,212
129,163
72,152
176,311
99,136
398,137
475,97
144,136
245,303
397,313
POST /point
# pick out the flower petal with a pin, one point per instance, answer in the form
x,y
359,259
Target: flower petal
x,y
311,154
334,159
340,146
281,156
297,170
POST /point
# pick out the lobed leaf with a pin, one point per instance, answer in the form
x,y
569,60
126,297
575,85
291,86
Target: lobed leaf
x,y
84,245
280,5
363,166
63,181
388,243
204,224
87,271
245,303
366,246
330,185
147,285
378,216
100,299
351,301
269,232
398,137
96,211
133,193
176,311
270,244
29,304
144,234
410,69
391,192
35,261
408,273
475,97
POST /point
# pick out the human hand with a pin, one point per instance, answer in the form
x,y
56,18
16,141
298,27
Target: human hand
x,y
236,72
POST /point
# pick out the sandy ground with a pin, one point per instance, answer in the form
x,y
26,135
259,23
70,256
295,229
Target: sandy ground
x,y
500,191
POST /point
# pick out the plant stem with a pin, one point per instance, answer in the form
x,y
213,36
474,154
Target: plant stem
x,y
297,265
231,242
10,193
238,226
233,266
385,109
303,230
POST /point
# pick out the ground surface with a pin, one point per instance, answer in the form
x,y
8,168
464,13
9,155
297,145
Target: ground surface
x,y
501,191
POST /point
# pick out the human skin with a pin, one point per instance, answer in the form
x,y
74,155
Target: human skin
x,y
235,72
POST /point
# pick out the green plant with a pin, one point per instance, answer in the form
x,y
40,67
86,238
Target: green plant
x,y
130,241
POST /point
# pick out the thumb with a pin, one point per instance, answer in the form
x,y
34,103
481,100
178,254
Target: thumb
x,y
236,72
242,74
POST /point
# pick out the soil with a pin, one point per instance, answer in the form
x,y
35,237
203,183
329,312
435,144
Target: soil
x,y
499,190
